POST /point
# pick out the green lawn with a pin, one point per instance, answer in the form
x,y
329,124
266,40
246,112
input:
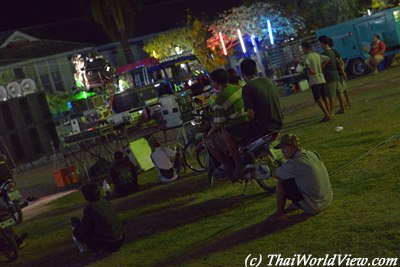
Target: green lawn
x,y
188,224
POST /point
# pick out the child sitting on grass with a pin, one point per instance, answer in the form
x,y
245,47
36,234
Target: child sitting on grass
x,y
100,228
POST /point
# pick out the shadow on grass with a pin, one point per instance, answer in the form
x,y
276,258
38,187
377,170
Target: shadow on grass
x,y
302,123
161,193
234,239
156,223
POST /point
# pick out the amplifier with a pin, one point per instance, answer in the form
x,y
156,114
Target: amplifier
x,y
184,100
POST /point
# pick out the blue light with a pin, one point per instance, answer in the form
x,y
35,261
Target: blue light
x,y
271,36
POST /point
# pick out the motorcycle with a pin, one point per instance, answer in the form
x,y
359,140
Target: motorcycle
x,y
10,215
259,161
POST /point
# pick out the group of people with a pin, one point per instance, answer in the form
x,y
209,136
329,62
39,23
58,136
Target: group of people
x,y
326,77
239,113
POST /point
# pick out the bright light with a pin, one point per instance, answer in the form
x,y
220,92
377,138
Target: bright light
x,y
84,95
157,85
178,50
253,41
369,12
154,54
223,44
241,40
190,82
271,37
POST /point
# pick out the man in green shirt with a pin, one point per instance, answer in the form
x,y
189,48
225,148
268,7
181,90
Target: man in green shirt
x,y
100,228
228,111
261,102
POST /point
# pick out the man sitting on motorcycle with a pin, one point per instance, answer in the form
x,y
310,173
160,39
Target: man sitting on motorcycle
x,y
261,102
228,111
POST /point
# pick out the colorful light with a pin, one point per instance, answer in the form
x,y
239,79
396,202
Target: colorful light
x,y
223,44
241,40
253,41
271,36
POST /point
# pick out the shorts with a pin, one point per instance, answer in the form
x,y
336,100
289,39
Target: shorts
x,y
318,91
292,191
332,88
245,130
217,142
342,86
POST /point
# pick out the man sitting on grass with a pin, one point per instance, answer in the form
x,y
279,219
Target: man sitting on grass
x,y
303,179
100,228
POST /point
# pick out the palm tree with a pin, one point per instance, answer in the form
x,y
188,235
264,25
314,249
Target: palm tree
x,y
116,18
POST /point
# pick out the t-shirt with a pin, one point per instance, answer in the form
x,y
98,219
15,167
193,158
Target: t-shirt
x,y
313,61
124,177
311,178
261,95
162,158
330,70
228,108
101,222
376,47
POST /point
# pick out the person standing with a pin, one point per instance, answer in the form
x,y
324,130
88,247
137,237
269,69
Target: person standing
x,y
331,75
377,53
303,179
342,77
316,79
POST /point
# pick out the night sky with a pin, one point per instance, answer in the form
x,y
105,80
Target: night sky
x,y
157,15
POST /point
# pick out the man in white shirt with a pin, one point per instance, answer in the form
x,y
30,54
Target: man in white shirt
x,y
316,79
167,162
303,179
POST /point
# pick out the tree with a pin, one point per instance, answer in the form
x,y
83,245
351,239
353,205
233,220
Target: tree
x,y
192,38
252,21
384,4
116,18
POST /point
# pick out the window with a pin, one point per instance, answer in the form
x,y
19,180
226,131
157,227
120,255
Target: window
x,y
56,75
44,76
19,74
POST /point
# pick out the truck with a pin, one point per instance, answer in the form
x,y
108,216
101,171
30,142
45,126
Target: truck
x,y
352,38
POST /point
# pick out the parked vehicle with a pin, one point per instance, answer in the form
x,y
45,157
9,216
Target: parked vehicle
x,y
10,215
259,161
351,38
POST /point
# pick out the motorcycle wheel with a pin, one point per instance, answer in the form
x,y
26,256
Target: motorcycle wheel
x,y
269,184
9,245
190,157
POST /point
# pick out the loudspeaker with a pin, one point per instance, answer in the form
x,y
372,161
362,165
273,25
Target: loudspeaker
x,y
31,143
3,94
14,89
28,86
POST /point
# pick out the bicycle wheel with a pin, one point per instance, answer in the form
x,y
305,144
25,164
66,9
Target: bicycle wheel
x,y
190,157
201,156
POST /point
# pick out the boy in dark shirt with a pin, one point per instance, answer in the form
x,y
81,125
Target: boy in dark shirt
x,y
123,175
100,228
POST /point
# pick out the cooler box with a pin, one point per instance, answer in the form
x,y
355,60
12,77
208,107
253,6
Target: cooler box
x,y
62,179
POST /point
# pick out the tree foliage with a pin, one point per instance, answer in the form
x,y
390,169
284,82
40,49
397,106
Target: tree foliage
x,y
117,19
384,4
192,38
252,21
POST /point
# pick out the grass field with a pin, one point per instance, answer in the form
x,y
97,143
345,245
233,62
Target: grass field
x,y
188,224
